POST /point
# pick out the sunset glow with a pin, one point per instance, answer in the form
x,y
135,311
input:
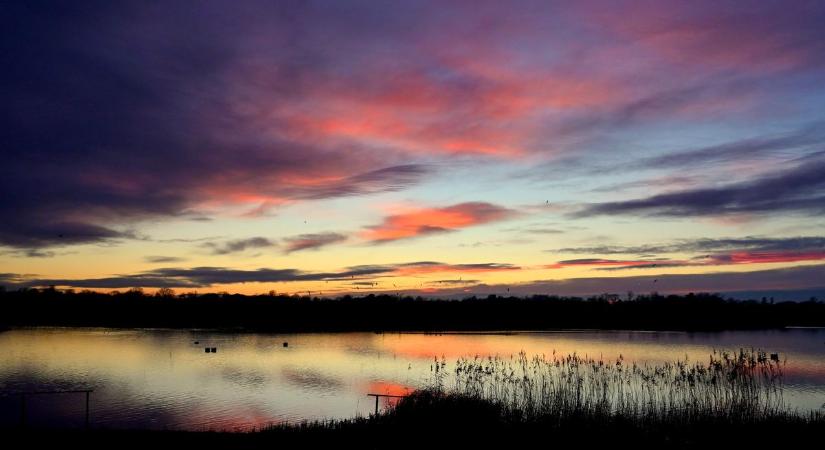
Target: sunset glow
x,y
417,148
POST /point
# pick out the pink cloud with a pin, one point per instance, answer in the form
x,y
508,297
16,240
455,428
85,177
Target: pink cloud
x,y
423,221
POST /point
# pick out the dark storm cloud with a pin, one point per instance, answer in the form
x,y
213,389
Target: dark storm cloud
x,y
238,245
800,189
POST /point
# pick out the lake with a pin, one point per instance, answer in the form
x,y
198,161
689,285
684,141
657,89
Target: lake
x,y
164,379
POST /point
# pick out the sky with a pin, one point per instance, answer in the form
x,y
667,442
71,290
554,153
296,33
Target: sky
x,y
443,148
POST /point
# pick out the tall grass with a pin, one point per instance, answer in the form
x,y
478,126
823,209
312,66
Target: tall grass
x,y
745,386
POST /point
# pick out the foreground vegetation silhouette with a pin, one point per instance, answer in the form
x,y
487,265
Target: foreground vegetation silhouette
x,y
734,399
52,307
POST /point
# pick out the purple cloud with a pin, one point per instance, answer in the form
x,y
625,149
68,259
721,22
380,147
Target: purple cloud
x,y
312,241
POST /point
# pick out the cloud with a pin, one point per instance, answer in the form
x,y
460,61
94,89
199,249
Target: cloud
x,y
719,259
17,232
180,123
163,259
388,179
459,282
806,278
715,259
797,190
238,245
782,145
614,263
649,184
425,221
131,112
748,257
772,280
425,267
753,243
686,102
713,252
711,36
535,229
199,277
312,241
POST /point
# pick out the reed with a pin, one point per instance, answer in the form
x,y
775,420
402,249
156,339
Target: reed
x,y
745,386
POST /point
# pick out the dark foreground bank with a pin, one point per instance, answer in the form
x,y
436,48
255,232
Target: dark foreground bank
x,y
430,420
134,309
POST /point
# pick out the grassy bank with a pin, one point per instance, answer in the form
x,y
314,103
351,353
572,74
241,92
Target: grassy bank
x,y
732,399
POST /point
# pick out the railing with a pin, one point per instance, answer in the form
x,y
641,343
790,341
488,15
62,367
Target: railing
x,y
377,396
88,392
23,396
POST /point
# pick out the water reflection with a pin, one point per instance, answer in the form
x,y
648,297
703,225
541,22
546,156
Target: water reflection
x,y
164,379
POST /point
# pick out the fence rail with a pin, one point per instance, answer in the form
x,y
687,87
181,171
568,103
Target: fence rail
x,y
23,396
377,396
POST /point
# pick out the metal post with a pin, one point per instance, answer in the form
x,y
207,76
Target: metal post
x,y
87,409
376,404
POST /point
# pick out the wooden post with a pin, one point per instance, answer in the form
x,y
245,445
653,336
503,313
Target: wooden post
x,y
23,410
87,409
383,395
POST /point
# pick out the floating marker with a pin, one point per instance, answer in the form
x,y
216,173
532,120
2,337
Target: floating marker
x,y
206,349
214,350
286,344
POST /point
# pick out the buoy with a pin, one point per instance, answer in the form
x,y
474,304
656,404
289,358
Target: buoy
x,y
206,349
214,350
286,344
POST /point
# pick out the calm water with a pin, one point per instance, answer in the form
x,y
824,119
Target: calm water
x,y
162,379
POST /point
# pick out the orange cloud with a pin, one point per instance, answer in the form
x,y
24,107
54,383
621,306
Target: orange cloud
x,y
423,221
768,257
